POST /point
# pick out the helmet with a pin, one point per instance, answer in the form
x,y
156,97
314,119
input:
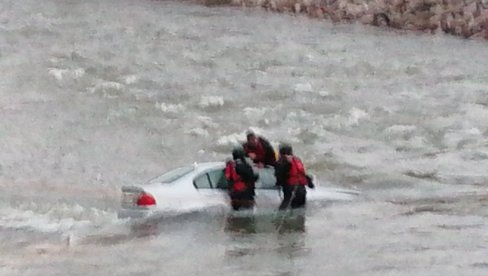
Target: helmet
x,y
238,152
250,133
286,148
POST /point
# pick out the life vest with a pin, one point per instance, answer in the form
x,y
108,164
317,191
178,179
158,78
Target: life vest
x,y
258,150
297,173
238,184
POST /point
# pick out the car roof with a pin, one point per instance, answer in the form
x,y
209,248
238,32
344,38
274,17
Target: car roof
x,y
201,167
196,169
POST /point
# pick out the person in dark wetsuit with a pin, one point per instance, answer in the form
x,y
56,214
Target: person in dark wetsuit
x,y
259,150
291,176
241,178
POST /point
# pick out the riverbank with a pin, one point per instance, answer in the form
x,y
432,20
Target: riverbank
x,y
466,18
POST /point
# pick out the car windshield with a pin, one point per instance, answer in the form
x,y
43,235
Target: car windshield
x,y
172,175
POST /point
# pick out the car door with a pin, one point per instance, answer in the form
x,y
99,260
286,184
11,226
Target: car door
x,y
212,186
268,195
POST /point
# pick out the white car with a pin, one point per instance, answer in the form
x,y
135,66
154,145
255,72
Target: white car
x,y
203,186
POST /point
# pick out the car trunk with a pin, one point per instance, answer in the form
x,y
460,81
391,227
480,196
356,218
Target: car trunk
x,y
130,197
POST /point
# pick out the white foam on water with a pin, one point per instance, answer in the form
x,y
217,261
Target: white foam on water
x,y
131,79
57,73
400,130
303,87
236,138
254,112
103,86
207,122
355,116
170,108
198,132
51,218
231,139
211,101
397,116
25,220
60,74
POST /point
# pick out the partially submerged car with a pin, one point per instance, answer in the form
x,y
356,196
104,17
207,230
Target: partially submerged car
x,y
203,186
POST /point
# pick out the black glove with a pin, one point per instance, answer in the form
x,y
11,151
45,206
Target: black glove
x,y
310,182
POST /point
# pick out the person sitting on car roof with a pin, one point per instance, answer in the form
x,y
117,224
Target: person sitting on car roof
x,y
259,150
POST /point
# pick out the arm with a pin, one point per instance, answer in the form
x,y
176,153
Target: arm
x,y
282,171
310,181
309,177
270,158
245,171
245,146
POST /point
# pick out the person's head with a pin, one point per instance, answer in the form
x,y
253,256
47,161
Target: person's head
x,y
285,149
251,137
238,152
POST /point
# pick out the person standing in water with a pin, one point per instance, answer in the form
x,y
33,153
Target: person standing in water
x,y
241,178
292,177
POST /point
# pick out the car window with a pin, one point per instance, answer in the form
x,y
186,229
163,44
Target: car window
x,y
202,182
172,175
217,178
267,179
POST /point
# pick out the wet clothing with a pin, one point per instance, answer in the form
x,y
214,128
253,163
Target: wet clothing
x,y
291,176
282,169
263,150
238,184
241,178
297,174
293,197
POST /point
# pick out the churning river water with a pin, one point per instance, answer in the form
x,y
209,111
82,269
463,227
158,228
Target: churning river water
x,y
97,94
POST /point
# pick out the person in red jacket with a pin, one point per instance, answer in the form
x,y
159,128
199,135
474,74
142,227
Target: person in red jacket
x,y
292,177
241,179
259,150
